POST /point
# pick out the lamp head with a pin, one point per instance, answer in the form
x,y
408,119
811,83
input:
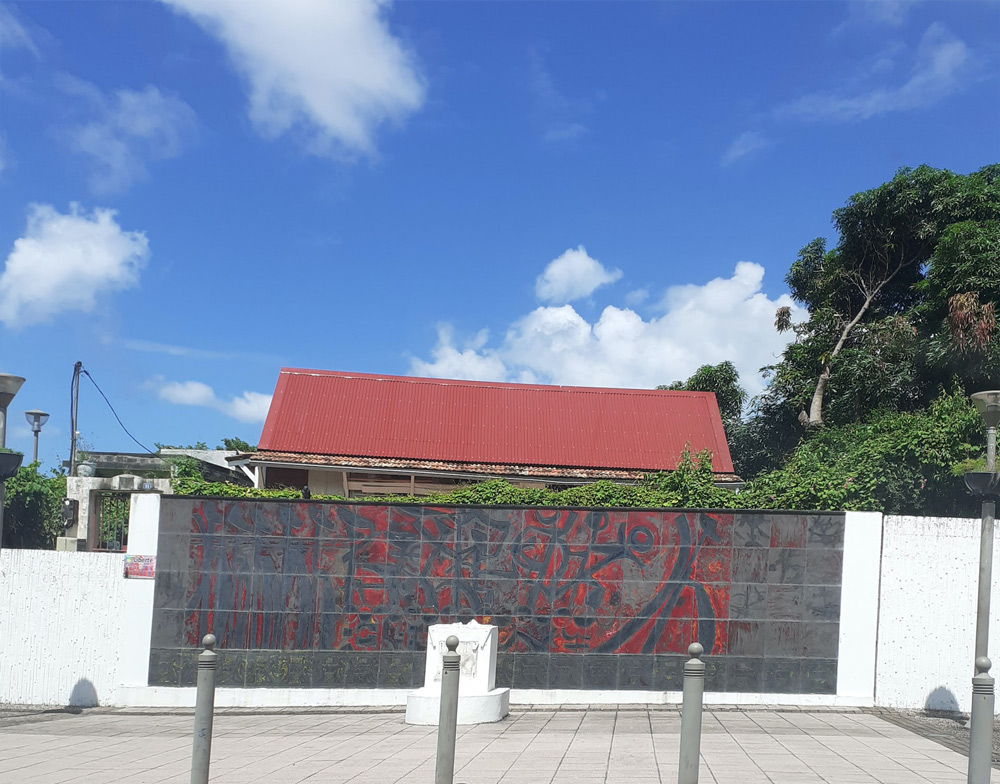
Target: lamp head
x,y
988,406
8,388
36,419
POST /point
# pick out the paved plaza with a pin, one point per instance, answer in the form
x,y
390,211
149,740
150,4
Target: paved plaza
x,y
538,746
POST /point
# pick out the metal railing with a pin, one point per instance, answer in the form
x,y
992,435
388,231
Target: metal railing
x,y
112,509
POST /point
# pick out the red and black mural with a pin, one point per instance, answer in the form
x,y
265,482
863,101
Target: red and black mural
x,y
334,595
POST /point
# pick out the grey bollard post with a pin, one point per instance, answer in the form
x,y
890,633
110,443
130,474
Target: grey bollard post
x,y
694,689
204,707
444,772
981,734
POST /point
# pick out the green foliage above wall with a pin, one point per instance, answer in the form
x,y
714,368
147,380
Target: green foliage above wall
x,y
32,507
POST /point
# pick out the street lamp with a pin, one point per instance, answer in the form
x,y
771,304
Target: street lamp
x,y
8,388
36,419
986,485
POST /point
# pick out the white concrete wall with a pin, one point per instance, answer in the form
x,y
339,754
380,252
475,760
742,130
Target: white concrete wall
x,y
927,613
859,608
60,619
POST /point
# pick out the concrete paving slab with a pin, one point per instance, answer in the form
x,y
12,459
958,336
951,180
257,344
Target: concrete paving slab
x,y
536,746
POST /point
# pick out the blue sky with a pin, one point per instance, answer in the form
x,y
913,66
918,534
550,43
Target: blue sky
x,y
194,193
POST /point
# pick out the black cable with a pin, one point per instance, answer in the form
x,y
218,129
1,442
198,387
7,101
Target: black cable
x,y
87,374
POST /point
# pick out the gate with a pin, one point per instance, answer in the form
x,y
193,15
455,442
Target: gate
x,y
112,521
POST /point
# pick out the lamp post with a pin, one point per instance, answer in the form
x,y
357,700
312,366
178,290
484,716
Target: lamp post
x,y
36,419
8,388
984,484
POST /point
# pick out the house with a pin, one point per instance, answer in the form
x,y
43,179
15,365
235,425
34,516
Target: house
x,y
356,434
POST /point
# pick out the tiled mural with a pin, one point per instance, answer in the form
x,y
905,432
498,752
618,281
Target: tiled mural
x,y
333,595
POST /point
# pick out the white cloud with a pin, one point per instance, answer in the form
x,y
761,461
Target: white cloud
x,y
331,70
248,407
572,276
471,361
13,34
746,143
125,130
942,61
724,319
558,117
64,262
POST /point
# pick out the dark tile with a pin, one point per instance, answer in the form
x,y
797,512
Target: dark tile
x,y
744,675
750,565
531,671
668,673
362,670
164,667
404,524
782,638
256,672
825,567
505,670
600,671
300,556
751,530
290,670
746,638
232,668
330,669
782,676
747,601
715,673
398,670
819,676
566,671
822,603
785,602
172,553
437,524
820,640
635,671
786,566
825,531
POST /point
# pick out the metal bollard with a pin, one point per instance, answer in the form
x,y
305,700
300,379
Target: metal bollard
x,y
201,752
444,772
694,689
981,733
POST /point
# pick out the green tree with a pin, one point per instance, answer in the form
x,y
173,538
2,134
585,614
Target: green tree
x,y
865,344
32,509
237,445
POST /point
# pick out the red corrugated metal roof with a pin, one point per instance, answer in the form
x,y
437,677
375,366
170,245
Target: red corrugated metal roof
x,y
334,413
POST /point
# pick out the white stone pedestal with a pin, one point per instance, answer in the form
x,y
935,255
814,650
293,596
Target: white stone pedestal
x,y
479,701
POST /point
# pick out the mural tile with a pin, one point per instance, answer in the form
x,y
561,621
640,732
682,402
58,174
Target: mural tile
x,y
825,567
786,602
716,528
164,667
608,527
782,638
239,518
788,530
746,638
712,565
820,640
822,603
269,518
438,524
333,523
786,566
715,673
231,670
398,670
208,516
751,529
749,565
506,631
747,601
256,672
571,634
301,555
405,524
826,531
306,520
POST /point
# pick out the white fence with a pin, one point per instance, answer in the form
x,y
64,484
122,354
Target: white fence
x,y
927,613
60,621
